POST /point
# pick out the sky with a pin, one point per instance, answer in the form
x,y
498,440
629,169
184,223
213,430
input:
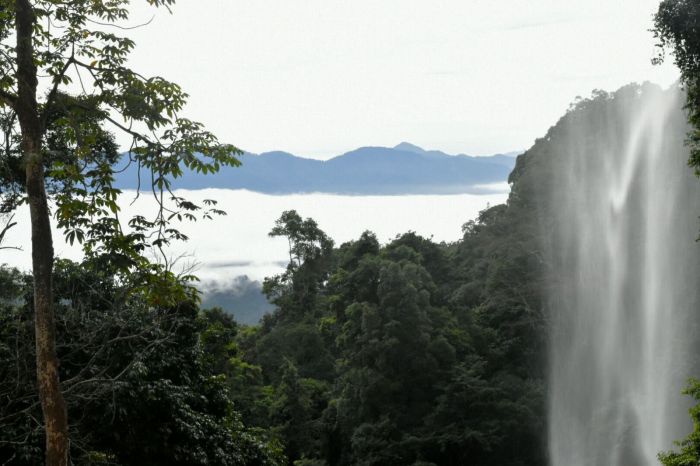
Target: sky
x,y
321,77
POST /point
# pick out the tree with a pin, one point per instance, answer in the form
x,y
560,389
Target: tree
x,y
689,453
676,26
410,352
394,360
292,411
309,252
61,139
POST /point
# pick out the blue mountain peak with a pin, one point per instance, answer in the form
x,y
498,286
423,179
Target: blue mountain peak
x,y
408,147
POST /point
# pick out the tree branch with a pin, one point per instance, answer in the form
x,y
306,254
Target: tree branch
x,y
54,90
8,98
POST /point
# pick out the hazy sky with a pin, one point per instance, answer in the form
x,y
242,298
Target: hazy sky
x,y
321,77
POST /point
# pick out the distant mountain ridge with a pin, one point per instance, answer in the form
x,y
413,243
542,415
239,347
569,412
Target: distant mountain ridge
x,y
403,169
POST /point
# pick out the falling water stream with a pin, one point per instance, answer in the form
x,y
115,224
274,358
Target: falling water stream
x,y
625,300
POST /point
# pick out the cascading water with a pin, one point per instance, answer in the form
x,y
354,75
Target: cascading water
x,y
625,263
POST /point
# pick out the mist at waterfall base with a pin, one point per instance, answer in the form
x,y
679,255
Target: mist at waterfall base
x,y
625,298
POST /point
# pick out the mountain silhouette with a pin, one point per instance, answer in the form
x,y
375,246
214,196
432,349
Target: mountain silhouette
x,y
403,169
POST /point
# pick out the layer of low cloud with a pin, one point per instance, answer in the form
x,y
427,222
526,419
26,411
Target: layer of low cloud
x,y
238,243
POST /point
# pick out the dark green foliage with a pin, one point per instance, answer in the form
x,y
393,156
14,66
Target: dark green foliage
x,y
144,385
392,364
689,454
309,252
677,29
412,353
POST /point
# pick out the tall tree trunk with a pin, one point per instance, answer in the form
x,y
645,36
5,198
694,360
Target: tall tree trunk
x,y
52,402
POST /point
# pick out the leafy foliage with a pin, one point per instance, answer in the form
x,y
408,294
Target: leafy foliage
x,y
676,27
407,353
93,94
142,384
689,453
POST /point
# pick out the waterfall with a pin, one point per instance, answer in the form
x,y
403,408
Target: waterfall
x,y
624,301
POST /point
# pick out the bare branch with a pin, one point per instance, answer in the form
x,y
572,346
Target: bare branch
x,y
9,224
123,28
